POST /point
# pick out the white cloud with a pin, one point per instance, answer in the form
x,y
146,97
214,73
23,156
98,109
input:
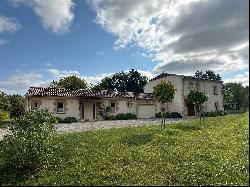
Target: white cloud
x,y
55,15
240,78
8,24
189,33
19,82
57,74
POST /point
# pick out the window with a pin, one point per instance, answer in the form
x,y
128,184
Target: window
x,y
216,106
36,105
129,104
93,110
112,106
215,90
60,107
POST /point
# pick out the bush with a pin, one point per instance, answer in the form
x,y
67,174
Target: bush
x,y
169,115
215,113
4,116
121,116
59,120
69,120
29,145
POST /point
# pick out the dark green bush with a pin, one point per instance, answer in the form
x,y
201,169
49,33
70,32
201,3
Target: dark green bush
x,y
59,120
215,113
29,145
169,115
69,120
121,116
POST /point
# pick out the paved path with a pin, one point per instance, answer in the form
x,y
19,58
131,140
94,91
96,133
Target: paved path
x,y
94,125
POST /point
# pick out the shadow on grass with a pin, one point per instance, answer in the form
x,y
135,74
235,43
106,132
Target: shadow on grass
x,y
188,127
137,139
10,176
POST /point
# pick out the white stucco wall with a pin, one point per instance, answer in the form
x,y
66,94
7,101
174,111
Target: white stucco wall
x,y
207,87
177,104
48,102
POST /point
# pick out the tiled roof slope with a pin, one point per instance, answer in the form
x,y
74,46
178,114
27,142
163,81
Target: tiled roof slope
x,y
81,93
162,75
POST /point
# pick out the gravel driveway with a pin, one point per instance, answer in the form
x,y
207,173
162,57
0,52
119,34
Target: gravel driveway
x,y
87,126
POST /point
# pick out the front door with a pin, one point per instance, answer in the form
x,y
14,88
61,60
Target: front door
x,y
88,111
191,111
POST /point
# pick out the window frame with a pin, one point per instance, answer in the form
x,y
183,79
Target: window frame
x,y
63,108
215,90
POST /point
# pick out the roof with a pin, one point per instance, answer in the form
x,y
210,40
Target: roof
x,y
81,93
163,75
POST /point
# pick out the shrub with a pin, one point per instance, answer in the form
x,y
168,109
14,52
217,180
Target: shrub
x,y
4,116
215,113
69,120
29,145
121,116
169,115
59,120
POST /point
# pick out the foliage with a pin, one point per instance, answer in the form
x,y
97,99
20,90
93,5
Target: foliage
x,y
17,103
69,120
164,92
169,115
71,82
4,116
104,110
215,113
208,75
30,144
4,102
131,81
121,116
197,98
235,93
59,120
184,154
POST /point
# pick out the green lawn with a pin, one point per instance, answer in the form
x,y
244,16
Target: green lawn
x,y
181,154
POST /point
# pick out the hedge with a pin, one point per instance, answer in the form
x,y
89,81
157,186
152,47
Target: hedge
x,y
121,116
169,115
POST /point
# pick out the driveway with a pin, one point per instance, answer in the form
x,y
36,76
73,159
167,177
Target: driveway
x,y
94,125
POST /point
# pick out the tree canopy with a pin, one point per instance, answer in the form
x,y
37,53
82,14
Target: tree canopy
x,y
207,75
235,93
197,98
71,82
131,81
164,92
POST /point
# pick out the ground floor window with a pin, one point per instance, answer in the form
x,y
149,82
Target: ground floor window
x,y
60,107
216,106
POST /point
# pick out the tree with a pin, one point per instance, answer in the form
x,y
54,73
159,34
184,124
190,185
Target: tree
x,y
236,93
71,82
164,93
4,102
131,81
197,98
208,75
17,105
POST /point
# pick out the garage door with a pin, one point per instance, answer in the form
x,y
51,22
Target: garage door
x,y
146,111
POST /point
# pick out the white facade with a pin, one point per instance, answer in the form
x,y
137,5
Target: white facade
x,y
183,85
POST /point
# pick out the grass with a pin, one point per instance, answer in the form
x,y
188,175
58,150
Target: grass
x,y
182,154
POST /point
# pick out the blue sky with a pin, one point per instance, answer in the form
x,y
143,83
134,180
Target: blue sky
x,y
41,41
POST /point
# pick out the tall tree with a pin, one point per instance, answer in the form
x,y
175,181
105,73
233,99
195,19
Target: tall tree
x,y
236,93
131,81
164,93
4,102
17,103
71,82
207,75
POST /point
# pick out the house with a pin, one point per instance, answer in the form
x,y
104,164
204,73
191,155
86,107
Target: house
x,y
86,104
